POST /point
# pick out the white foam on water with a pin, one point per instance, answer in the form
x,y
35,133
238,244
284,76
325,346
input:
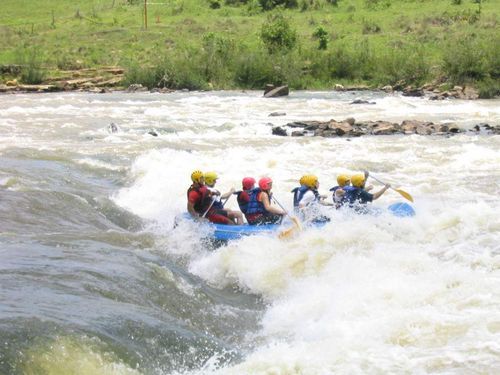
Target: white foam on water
x,y
364,294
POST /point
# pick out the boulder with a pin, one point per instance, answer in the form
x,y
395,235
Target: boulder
x,y
268,88
278,91
278,130
340,128
411,91
384,128
359,101
350,120
136,87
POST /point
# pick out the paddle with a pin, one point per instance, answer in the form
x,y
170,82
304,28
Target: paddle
x,y
287,232
209,207
402,192
225,200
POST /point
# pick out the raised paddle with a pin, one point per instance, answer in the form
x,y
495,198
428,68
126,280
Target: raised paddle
x,y
287,232
402,192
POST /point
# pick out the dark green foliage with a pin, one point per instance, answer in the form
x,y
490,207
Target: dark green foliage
x,y
489,88
321,34
254,70
235,2
214,4
456,2
216,59
277,34
469,62
406,64
271,4
179,72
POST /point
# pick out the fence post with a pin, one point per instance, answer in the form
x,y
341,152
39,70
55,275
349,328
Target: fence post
x,y
146,14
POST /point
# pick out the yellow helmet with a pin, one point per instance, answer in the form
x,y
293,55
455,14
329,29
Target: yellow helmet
x,y
210,178
343,180
311,181
196,176
358,180
303,179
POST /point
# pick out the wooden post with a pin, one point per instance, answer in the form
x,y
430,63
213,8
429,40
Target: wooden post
x,y
146,14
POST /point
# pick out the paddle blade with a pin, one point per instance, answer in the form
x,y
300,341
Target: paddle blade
x,y
296,222
287,233
405,194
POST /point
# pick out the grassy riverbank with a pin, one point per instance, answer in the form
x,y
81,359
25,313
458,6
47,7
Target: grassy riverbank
x,y
221,44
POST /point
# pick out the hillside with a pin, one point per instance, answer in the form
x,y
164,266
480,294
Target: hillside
x,y
205,44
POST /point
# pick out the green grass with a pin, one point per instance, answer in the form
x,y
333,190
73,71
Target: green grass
x,y
370,42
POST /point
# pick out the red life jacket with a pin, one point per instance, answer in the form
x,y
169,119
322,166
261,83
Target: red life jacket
x,y
202,204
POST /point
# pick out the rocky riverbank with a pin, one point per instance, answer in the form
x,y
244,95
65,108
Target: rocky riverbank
x,y
351,128
92,80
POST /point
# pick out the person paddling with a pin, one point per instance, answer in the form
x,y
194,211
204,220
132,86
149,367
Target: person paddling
x,y
243,196
259,209
357,195
338,196
217,213
198,196
306,199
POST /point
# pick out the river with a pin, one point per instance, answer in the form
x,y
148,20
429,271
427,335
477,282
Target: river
x,y
95,280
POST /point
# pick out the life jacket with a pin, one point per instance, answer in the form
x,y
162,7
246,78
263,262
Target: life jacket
x,y
202,205
299,192
338,201
254,206
351,194
218,204
243,198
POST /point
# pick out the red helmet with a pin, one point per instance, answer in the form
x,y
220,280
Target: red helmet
x,y
265,183
248,183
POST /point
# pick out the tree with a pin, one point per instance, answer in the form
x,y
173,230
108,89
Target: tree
x,y
277,34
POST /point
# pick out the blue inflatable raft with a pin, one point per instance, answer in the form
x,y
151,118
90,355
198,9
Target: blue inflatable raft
x,y
222,232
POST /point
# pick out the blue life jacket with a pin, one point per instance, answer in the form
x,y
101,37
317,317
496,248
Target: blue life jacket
x,y
254,206
242,203
334,190
344,198
351,194
299,192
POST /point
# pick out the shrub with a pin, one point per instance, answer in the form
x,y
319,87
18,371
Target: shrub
x,y
31,62
370,28
217,58
321,34
277,34
407,64
465,63
271,4
254,70
489,88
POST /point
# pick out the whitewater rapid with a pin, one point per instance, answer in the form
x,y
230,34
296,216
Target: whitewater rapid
x,y
364,294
